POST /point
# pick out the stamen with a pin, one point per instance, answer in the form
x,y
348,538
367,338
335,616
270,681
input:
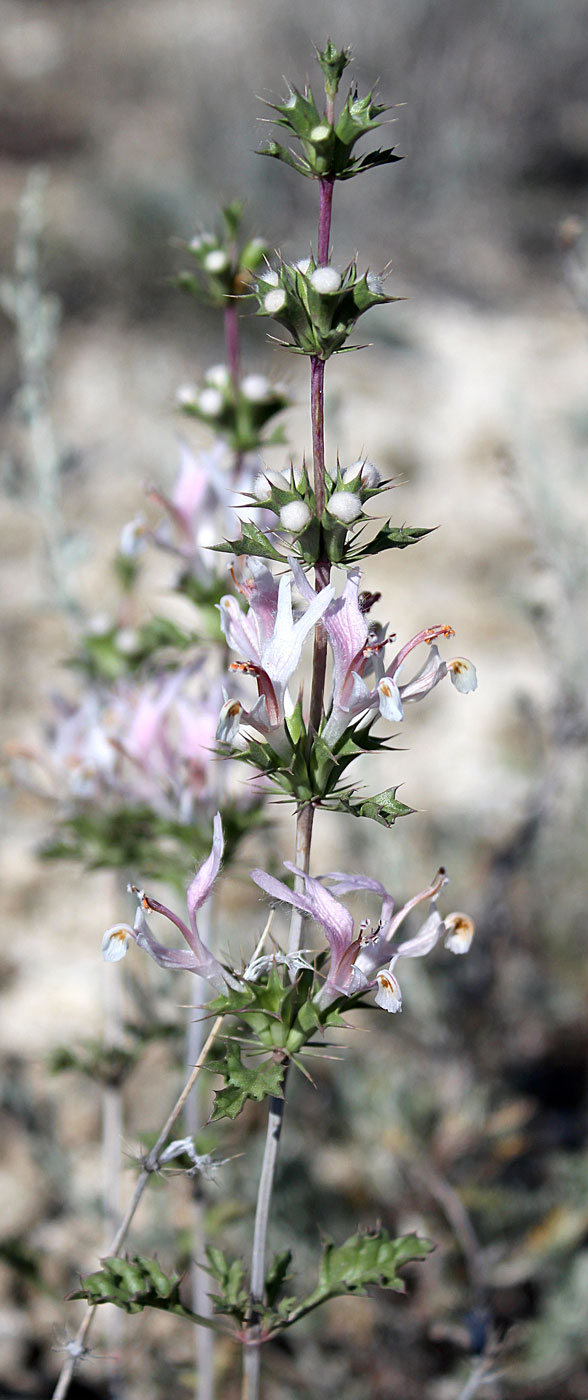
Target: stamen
x,y
444,631
248,668
372,647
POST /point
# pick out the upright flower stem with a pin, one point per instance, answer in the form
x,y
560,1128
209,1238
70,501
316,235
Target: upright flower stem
x,y
304,825
194,1117
232,346
233,354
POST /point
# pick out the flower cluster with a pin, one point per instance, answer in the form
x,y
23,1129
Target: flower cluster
x,y
360,961
268,641
318,305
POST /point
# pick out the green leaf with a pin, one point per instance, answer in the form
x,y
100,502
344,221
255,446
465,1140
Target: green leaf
x,y
363,1259
253,541
242,1083
367,1258
137,1283
384,807
389,537
276,1276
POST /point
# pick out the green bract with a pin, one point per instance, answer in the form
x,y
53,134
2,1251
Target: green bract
x,y
326,147
319,321
221,269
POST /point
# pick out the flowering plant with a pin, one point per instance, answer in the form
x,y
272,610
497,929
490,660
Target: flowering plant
x,y
157,743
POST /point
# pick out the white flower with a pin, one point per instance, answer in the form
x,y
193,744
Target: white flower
x,y
326,279
295,516
256,388
210,402
274,301
344,506
460,931
367,472
216,261
463,674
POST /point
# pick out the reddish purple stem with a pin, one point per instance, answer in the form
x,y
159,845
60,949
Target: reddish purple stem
x,y
326,188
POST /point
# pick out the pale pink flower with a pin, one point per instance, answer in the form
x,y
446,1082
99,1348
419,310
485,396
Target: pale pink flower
x,y
365,959
196,957
270,641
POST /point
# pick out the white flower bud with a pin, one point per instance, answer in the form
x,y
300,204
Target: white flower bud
x,y
217,375
320,133
210,402
216,261
344,506
271,278
303,265
127,640
186,395
367,472
262,486
295,516
256,388
326,279
274,301
200,240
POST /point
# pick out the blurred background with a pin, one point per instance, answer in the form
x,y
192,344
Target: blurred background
x,y
467,1117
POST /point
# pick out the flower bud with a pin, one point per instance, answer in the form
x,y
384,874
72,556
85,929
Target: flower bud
x,y
216,261
217,375
303,265
262,486
186,395
321,133
256,388
210,402
295,516
201,240
274,301
367,472
127,640
326,279
344,506
271,277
